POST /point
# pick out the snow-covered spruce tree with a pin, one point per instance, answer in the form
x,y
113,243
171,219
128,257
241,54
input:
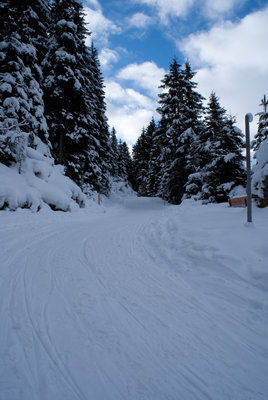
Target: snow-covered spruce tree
x,y
99,131
6,19
140,163
34,16
169,128
225,167
114,151
150,132
141,158
22,121
125,165
74,99
180,110
155,165
191,137
262,132
260,175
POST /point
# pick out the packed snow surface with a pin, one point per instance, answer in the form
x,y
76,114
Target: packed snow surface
x,y
134,299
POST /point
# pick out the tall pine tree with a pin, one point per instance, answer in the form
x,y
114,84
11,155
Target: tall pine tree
x,y
125,165
141,158
114,151
262,132
155,165
99,130
22,119
225,167
170,127
74,99
180,110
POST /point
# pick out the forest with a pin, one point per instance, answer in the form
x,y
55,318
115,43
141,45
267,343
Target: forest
x,y
53,119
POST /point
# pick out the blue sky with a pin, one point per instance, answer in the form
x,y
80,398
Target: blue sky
x,y
224,40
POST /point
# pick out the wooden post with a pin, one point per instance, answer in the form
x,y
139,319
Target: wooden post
x,y
98,198
248,119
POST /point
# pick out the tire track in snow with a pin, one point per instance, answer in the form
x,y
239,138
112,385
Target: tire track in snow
x,y
116,309
137,312
48,347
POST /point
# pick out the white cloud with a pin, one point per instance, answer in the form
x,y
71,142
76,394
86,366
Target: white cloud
x,y
128,125
128,97
169,8
139,20
93,3
233,61
218,8
107,57
127,110
100,26
146,76
236,44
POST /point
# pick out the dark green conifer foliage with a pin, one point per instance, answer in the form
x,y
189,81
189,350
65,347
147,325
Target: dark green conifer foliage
x,y
99,130
125,165
154,165
224,168
231,165
262,132
74,99
63,81
180,109
114,151
34,18
194,126
169,129
141,157
21,109
7,21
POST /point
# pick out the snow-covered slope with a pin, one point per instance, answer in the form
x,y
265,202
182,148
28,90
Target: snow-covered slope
x,y
136,301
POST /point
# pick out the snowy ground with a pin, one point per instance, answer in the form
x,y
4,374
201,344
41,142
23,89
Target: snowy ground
x,y
134,300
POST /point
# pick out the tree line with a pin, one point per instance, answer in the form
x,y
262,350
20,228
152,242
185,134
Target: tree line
x,y
52,100
52,93
193,151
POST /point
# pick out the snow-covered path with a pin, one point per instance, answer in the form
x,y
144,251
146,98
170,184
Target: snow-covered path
x,y
144,301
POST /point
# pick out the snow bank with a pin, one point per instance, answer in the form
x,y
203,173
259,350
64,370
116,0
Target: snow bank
x,y
41,182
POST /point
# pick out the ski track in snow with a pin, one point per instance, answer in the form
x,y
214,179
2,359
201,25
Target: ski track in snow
x,y
132,304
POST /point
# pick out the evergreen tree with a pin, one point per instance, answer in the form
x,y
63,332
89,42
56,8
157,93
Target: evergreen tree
x,y
192,101
155,165
260,175
231,166
74,99
63,79
194,126
22,121
262,132
224,168
114,151
34,18
99,130
169,129
180,109
141,158
7,22
125,162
